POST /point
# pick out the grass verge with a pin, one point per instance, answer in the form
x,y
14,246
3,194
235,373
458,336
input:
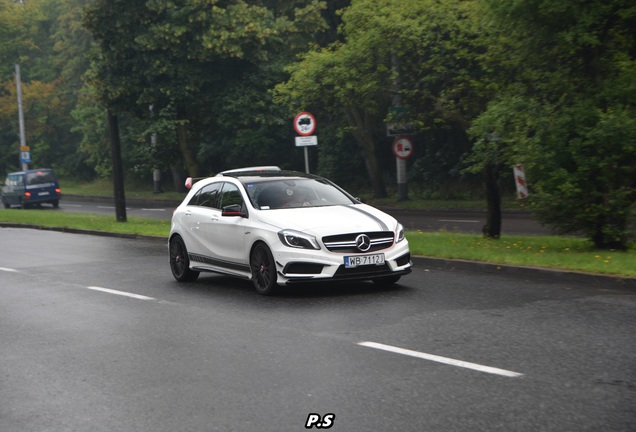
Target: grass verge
x,y
134,225
567,253
557,252
104,188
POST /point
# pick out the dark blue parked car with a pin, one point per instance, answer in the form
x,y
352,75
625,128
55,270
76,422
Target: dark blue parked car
x,y
32,187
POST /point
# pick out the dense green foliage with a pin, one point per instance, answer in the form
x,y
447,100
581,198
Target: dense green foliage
x,y
485,84
566,109
203,65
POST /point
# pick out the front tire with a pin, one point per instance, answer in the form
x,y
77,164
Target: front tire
x,y
179,261
263,269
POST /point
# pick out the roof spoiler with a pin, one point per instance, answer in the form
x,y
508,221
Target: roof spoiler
x,y
192,180
250,169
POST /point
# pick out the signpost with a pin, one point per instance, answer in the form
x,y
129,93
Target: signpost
x,y
400,123
402,149
18,83
25,154
305,126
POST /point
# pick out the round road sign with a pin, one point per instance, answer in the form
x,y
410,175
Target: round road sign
x,y
305,124
402,147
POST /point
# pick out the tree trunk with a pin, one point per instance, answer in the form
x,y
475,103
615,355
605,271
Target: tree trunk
x,y
177,179
602,237
118,171
492,229
364,138
185,146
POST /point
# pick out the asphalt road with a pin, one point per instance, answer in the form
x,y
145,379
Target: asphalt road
x,y
95,335
467,221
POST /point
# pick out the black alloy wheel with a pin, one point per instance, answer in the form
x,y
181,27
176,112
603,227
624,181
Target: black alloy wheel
x,y
179,261
263,269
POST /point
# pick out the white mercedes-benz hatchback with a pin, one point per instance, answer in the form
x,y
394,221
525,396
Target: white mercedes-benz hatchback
x,y
278,227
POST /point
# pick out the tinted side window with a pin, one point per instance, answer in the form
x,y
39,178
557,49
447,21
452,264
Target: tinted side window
x,y
194,199
231,195
15,180
209,196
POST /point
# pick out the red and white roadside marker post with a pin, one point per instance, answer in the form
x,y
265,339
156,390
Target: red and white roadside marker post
x,y
520,181
305,126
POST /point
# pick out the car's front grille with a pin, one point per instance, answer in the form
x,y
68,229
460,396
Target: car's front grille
x,y
364,271
303,268
346,243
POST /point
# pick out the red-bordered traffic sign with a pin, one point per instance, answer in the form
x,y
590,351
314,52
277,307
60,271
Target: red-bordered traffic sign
x,y
402,147
305,124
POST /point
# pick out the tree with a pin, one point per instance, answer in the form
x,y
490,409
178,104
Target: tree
x,y
26,30
178,56
434,44
566,109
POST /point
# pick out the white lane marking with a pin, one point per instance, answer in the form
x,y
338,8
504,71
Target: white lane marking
x,y
457,220
72,205
154,209
5,269
121,293
445,360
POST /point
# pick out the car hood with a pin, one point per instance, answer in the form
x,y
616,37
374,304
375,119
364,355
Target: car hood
x,y
330,220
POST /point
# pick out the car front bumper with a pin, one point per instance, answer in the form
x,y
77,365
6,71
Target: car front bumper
x,y
303,266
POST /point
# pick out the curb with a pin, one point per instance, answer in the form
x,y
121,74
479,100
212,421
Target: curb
x,y
81,231
134,201
536,273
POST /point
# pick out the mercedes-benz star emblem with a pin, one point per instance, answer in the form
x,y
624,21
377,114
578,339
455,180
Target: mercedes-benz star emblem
x,y
363,242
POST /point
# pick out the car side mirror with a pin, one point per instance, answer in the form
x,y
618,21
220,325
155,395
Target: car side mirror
x,y
234,210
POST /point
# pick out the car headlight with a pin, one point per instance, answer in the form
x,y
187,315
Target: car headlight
x,y
400,233
299,240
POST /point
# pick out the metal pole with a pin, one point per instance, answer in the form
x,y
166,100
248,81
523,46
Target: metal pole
x,y
156,172
306,160
402,185
18,84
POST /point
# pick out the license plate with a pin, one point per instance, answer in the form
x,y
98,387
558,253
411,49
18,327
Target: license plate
x,y
363,260
43,193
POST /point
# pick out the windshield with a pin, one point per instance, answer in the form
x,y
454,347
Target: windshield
x,y
291,193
